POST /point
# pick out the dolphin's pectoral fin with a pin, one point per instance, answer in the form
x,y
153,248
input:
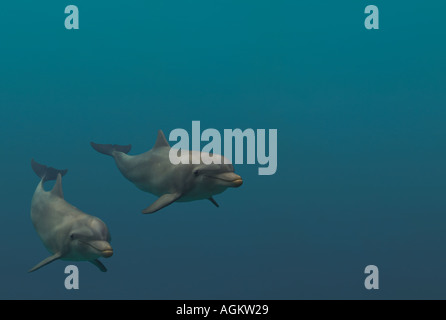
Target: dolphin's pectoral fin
x,y
46,261
211,199
99,264
162,202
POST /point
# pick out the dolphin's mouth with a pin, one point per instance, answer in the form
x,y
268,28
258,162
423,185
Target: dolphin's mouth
x,y
237,181
106,253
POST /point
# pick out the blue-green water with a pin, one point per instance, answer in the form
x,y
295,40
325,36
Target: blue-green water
x,y
360,116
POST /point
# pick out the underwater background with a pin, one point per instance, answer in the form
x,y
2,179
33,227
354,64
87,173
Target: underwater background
x,y
360,114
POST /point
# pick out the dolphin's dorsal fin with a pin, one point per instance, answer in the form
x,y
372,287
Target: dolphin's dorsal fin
x,y
161,140
57,189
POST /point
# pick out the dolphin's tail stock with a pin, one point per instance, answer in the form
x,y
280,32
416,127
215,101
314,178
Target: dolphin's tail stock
x,y
109,148
46,173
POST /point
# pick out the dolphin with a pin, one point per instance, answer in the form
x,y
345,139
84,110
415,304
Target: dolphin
x,y
153,172
66,232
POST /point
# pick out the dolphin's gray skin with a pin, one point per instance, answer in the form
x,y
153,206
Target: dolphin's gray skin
x,y
67,232
153,172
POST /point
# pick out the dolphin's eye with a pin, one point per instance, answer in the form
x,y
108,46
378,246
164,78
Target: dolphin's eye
x,y
196,173
72,236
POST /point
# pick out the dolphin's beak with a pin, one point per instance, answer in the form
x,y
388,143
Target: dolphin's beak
x,y
234,180
107,250
107,253
237,182
104,248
